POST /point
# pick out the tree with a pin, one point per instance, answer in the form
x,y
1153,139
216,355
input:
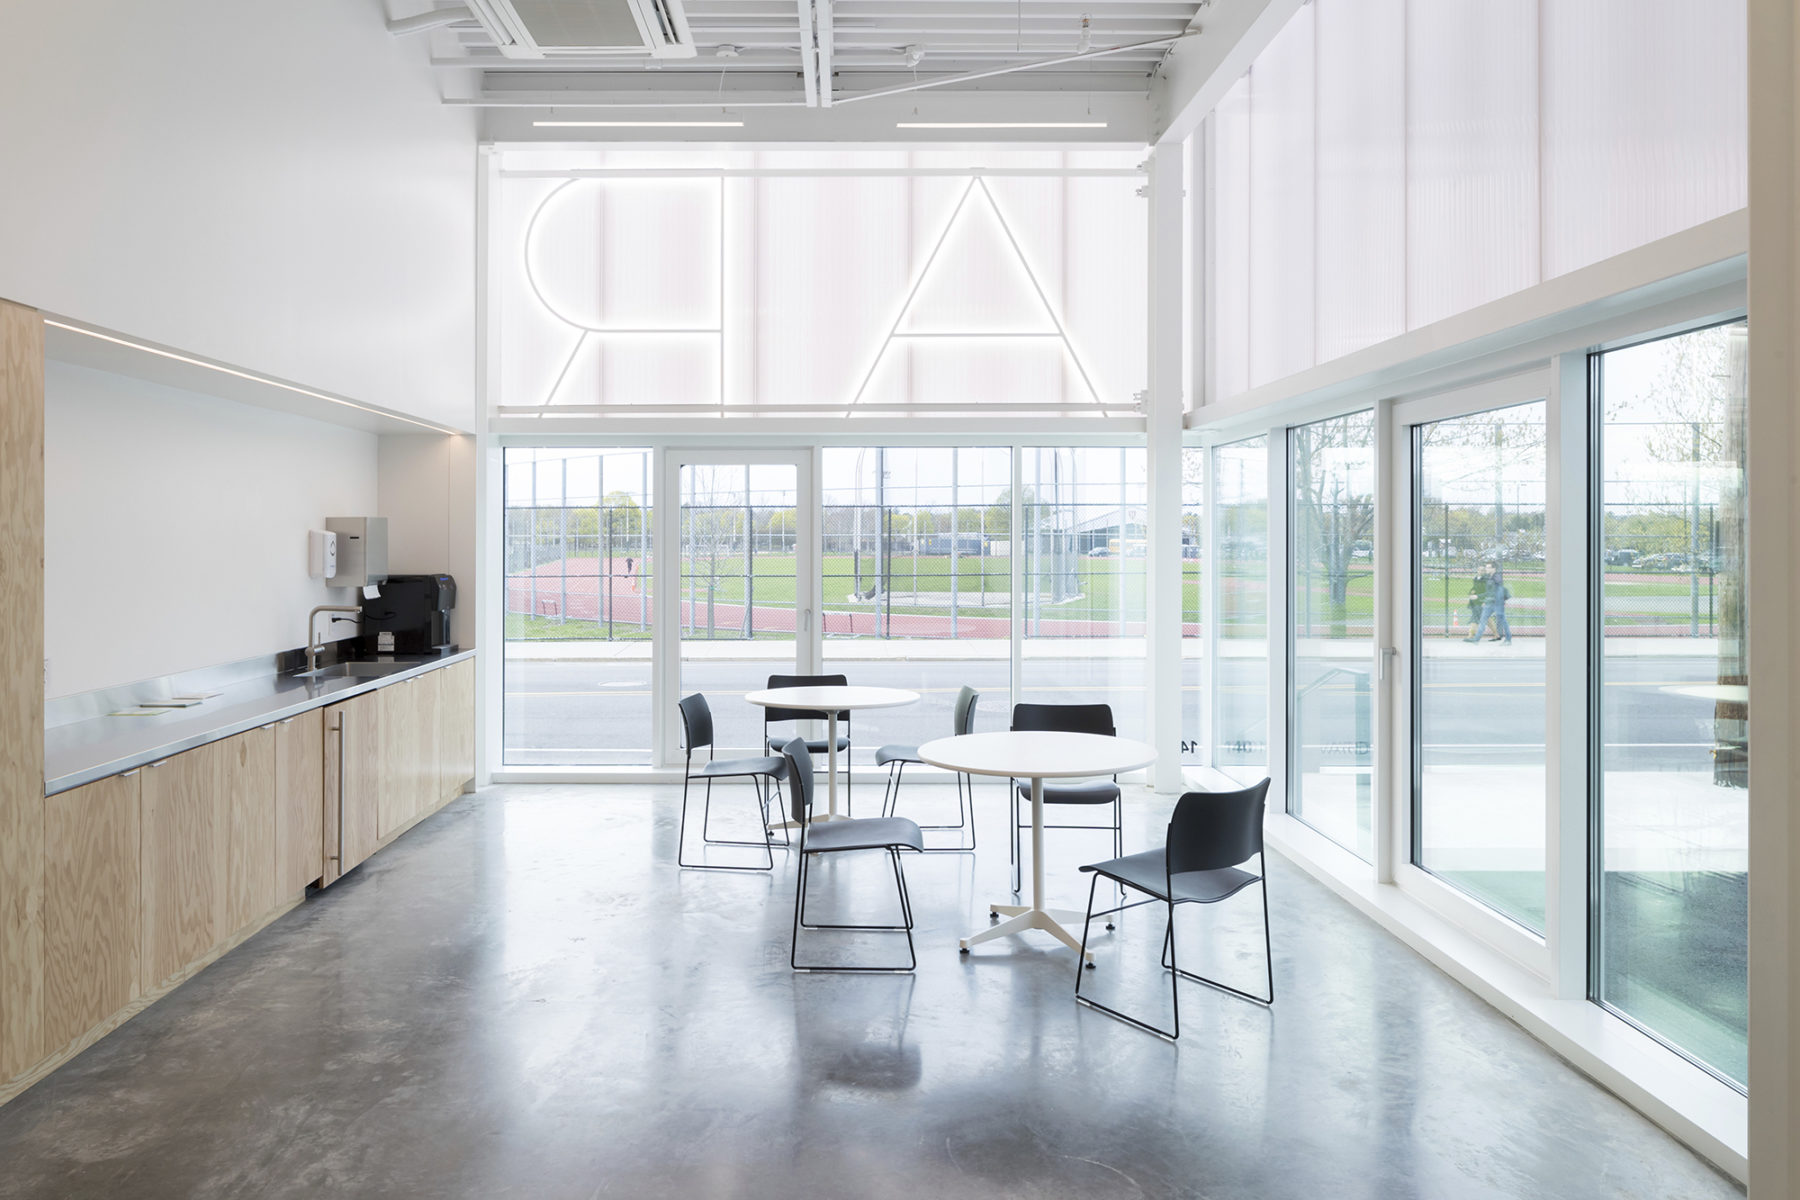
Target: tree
x,y
623,517
1334,506
999,513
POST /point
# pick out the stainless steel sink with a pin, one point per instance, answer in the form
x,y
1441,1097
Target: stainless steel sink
x,y
353,670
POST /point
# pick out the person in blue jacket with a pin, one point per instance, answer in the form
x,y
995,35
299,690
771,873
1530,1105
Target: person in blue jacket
x,y
1490,585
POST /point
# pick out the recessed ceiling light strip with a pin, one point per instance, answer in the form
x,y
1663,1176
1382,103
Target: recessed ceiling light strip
x,y
638,124
247,375
1000,125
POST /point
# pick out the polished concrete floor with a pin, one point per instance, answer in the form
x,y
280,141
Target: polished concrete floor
x,y
525,997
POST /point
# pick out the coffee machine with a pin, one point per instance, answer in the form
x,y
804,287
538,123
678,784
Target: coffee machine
x,y
410,616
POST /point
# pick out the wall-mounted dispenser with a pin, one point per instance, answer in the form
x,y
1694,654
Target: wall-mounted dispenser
x,y
361,551
321,553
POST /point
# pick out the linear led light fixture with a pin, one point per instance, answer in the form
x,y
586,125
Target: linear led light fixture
x,y
251,376
638,124
1000,125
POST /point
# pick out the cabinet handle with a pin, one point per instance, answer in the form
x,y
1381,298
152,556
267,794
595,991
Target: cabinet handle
x,y
128,774
343,740
286,721
159,762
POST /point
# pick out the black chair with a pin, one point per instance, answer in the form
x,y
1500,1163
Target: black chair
x,y
816,745
697,731
1211,836
896,758
892,834
1067,718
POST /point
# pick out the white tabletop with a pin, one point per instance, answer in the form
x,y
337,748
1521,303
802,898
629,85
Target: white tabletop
x,y
1036,755
832,698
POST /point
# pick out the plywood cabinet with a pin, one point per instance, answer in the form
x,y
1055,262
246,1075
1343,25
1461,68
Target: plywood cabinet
x,y
456,740
182,862
299,803
398,793
91,906
248,802
354,732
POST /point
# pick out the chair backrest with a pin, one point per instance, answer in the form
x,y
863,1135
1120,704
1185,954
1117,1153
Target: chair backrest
x,y
696,721
963,721
1064,718
1210,830
800,778
802,714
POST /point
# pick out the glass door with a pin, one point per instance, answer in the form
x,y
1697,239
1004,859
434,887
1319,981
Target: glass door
x,y
1478,580
745,554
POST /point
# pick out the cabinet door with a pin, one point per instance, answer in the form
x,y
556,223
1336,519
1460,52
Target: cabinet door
x,y
456,743
353,756
428,703
249,803
182,863
91,905
299,803
397,798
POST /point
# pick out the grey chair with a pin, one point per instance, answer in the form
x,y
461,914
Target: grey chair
x,y
889,834
697,732
1212,835
897,757
1067,718
772,716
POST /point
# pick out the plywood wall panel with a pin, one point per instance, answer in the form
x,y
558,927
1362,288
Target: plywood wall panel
x,y
21,687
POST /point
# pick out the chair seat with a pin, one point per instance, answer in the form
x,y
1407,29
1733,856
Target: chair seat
x,y
1101,791
1147,872
865,833
774,767
897,753
813,747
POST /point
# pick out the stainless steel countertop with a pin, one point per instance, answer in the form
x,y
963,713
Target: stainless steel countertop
x,y
83,751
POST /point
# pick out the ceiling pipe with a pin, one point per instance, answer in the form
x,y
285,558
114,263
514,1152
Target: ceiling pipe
x,y
947,80
437,18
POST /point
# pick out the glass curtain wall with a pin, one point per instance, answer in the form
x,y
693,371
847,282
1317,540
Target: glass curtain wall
x,y
1240,539
578,607
1478,561
1671,693
1083,540
917,582
1331,522
1193,628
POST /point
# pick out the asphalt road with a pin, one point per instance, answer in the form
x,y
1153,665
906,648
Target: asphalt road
x,y
1478,713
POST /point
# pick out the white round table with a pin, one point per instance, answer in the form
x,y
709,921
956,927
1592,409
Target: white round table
x,y
1037,757
828,701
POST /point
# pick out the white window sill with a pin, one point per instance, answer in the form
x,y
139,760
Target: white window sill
x,y
1710,1117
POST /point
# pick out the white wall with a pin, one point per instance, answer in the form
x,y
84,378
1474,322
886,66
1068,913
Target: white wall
x,y
427,493
175,526
275,186
1388,164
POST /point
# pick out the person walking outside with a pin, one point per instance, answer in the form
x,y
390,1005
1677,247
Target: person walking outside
x,y
1494,594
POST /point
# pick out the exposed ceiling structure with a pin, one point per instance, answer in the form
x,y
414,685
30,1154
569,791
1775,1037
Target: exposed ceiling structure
x,y
692,54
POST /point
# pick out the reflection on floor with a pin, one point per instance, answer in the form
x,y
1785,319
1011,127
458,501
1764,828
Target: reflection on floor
x,y
526,998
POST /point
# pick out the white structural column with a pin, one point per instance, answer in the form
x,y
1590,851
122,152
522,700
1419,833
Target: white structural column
x,y
1773,555
1163,426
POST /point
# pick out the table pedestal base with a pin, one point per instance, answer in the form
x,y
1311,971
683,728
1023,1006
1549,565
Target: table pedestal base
x,y
1023,918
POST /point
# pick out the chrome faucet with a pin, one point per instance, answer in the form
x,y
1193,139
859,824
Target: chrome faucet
x,y
312,620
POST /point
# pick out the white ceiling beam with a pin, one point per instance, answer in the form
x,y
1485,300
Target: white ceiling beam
x,y
823,31
1199,71
435,19
809,53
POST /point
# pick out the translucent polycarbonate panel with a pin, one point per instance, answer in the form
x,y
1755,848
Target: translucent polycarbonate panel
x,y
1230,233
1478,589
1361,211
578,619
825,290
1084,541
917,581
1673,693
1646,125
1331,626
1471,154
1193,605
1239,479
1282,139
737,603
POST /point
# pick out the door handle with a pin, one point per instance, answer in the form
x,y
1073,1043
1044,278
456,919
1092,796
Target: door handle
x,y
343,740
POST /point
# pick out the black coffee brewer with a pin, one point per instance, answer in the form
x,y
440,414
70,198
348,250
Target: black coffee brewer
x,y
410,616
